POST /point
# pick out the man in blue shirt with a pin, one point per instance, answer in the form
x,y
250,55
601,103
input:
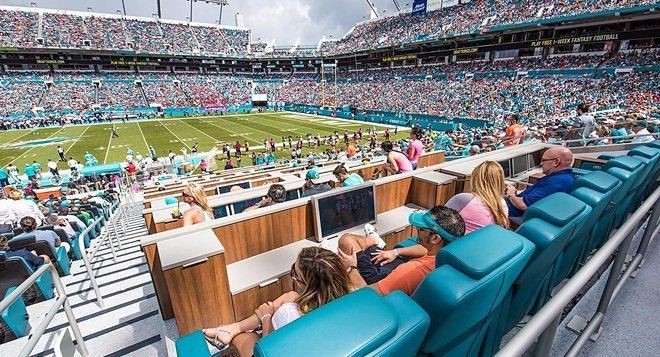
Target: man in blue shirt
x,y
4,177
345,178
556,165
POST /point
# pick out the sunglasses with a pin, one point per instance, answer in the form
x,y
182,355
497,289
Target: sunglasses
x,y
185,194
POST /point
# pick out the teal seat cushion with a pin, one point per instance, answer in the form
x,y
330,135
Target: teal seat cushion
x,y
597,180
353,325
482,253
624,162
557,209
15,316
644,151
580,171
192,345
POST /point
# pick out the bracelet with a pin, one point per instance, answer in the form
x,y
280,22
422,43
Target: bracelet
x,y
396,252
264,316
351,268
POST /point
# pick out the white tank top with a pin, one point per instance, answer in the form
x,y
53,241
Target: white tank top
x,y
207,215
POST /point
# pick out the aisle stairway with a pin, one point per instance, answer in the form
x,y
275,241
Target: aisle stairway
x,y
129,325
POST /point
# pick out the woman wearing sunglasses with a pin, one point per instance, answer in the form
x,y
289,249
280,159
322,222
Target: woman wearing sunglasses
x,y
318,278
199,211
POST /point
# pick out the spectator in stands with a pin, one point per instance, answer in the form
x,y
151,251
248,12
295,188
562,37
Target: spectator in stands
x,y
199,210
31,258
515,132
29,227
314,184
318,278
346,179
362,259
24,207
641,132
485,205
397,162
62,225
556,164
583,125
276,194
4,177
7,216
415,148
64,213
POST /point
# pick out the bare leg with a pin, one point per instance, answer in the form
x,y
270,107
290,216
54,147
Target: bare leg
x,y
350,242
248,324
245,342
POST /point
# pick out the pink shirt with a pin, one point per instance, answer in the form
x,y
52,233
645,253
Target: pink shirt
x,y
402,162
419,147
473,211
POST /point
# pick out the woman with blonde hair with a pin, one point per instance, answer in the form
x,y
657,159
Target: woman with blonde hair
x,y
485,205
318,277
199,211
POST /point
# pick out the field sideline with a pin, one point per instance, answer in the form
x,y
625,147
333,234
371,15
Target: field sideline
x,y
166,134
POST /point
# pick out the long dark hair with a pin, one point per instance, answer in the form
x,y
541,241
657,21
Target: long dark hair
x,y
323,277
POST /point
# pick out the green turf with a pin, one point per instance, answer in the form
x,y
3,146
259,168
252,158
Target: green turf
x,y
170,134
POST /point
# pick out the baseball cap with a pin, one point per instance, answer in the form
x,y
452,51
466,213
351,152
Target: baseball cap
x,y
65,203
424,220
314,176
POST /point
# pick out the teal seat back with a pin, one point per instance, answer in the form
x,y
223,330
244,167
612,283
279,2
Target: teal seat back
x,y
461,295
549,224
651,157
359,324
15,316
630,184
604,183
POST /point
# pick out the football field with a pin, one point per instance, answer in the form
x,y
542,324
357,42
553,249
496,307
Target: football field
x,y
23,146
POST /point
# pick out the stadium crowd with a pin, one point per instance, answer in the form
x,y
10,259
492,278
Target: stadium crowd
x,y
468,17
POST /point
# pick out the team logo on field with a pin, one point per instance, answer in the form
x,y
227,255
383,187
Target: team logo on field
x,y
35,143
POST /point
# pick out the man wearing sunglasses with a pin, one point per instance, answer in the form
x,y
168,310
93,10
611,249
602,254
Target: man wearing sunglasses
x,y
556,164
402,268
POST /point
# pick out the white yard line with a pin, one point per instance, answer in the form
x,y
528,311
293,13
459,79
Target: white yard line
x,y
30,149
270,135
176,136
143,137
214,139
75,141
105,159
231,131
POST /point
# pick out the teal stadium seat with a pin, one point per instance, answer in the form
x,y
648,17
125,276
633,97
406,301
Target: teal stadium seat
x,y
549,224
58,256
598,200
473,275
649,157
586,186
635,167
15,270
15,318
362,323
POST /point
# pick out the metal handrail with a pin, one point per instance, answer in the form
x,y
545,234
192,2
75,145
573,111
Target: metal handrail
x,y
545,322
62,301
88,257
623,138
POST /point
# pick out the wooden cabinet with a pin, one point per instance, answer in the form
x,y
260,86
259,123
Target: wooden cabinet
x,y
247,301
393,239
200,295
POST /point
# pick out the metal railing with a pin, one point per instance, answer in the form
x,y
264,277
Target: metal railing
x,y
61,301
106,238
545,322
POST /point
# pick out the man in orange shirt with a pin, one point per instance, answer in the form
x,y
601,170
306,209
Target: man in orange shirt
x,y
402,268
515,132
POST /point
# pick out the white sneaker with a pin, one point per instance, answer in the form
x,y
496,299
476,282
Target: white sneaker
x,y
371,231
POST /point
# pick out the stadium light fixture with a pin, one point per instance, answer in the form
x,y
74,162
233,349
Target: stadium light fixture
x,y
123,5
33,4
90,9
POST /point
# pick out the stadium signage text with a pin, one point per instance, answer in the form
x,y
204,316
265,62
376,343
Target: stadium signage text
x,y
50,62
134,63
575,40
399,58
462,51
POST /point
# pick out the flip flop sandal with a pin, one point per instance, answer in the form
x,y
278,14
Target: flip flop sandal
x,y
215,342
